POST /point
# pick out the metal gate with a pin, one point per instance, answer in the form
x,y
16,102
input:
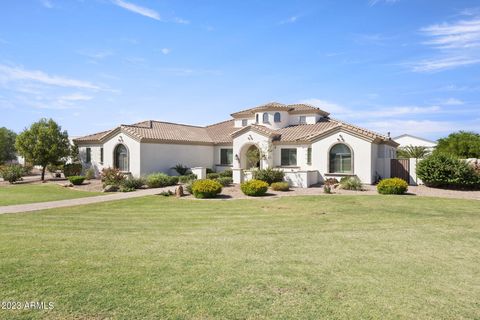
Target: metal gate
x,y
399,168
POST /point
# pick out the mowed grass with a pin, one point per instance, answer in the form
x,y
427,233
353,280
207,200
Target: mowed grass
x,y
31,193
325,257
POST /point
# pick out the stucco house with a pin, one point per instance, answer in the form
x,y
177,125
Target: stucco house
x,y
405,140
300,139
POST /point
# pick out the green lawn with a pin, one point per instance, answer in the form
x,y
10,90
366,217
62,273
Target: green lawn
x,y
326,257
30,193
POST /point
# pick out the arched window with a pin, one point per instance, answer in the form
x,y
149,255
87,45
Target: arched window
x,y
256,118
121,158
276,117
340,159
265,117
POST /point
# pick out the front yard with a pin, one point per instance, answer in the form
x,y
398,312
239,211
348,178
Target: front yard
x,y
36,192
347,257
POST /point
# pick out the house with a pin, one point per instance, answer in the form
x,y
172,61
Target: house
x,y
300,139
409,140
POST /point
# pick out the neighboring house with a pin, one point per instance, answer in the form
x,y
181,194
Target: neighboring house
x,y
409,140
300,139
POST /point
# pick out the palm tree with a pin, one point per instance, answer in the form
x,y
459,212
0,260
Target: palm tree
x,y
410,151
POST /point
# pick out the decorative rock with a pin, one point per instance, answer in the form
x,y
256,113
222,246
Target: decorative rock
x,y
110,188
67,185
179,192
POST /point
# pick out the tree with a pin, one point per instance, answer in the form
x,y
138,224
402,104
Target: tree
x,y
43,143
7,145
462,144
417,152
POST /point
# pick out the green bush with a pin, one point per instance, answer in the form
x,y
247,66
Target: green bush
x,y
254,188
159,180
188,186
392,186
187,178
443,171
132,183
268,175
112,177
210,171
123,188
12,173
280,186
213,175
76,180
90,174
351,183
206,188
72,169
227,173
181,169
225,181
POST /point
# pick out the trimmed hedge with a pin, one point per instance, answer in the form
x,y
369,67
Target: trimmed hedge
x,y
392,186
442,171
280,186
187,178
213,175
206,188
268,175
225,181
159,180
76,180
72,169
227,173
254,188
132,183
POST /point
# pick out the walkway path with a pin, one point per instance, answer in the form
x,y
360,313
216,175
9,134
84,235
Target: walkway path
x,y
81,201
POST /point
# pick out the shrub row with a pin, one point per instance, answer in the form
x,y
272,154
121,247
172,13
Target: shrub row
x,y
159,180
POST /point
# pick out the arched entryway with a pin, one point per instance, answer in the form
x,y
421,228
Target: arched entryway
x,y
121,158
250,157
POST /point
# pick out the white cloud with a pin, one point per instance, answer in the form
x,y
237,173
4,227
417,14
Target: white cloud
x,y
180,20
327,106
137,9
374,2
291,19
97,55
8,74
47,4
452,102
440,64
75,97
166,51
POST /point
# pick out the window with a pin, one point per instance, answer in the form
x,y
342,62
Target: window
x,y
121,157
277,117
302,119
101,155
244,122
340,159
289,157
89,155
226,156
309,156
256,118
265,117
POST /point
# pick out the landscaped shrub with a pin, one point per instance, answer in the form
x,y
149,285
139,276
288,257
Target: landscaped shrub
x,y
12,173
188,186
187,178
206,188
327,188
331,181
53,168
209,170
392,186
213,175
159,180
351,183
227,173
280,186
441,171
90,174
72,169
124,188
132,183
181,169
76,180
112,177
254,188
225,181
27,169
269,175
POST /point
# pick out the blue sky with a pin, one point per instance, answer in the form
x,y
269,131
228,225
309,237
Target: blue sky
x,y
404,66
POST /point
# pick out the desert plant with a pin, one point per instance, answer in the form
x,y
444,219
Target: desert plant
x,y
331,181
254,188
124,188
181,169
76,180
440,170
206,188
351,183
417,152
167,193
280,186
159,180
210,170
90,174
72,169
133,183
112,177
327,188
268,175
187,178
213,175
392,186
227,173
225,181
12,173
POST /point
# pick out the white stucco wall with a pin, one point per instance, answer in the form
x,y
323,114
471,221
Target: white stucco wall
x,y
242,142
133,147
407,140
216,158
302,152
156,157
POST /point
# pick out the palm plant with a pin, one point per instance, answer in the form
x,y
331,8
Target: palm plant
x,y
417,152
